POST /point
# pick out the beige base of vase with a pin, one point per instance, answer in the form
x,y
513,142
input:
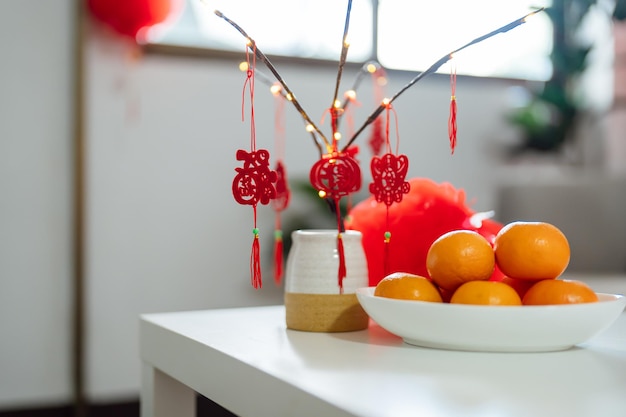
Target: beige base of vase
x,y
325,312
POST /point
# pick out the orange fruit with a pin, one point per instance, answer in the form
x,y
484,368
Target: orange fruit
x,y
459,256
406,286
559,291
531,250
519,285
486,293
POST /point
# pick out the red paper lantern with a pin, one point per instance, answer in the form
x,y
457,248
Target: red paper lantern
x,y
425,213
132,18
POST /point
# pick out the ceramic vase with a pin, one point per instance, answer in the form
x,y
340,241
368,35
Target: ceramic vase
x,y
313,298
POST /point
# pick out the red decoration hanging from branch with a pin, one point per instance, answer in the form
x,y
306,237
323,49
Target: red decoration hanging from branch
x,y
379,81
389,180
254,182
280,203
132,18
337,175
452,127
283,193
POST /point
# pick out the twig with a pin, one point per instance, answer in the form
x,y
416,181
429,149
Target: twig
x,y
434,67
267,81
290,96
344,53
357,81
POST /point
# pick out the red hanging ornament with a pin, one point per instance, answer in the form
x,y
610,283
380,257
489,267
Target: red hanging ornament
x,y
132,18
337,175
377,139
389,183
283,194
452,120
279,203
379,81
389,178
254,182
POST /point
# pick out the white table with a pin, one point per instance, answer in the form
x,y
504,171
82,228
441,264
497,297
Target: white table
x,y
248,362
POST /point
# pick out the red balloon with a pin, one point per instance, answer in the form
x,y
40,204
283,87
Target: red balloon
x,y
132,17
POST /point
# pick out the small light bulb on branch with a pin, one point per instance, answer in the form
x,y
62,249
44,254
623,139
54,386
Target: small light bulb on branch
x,y
350,95
275,89
337,136
243,66
310,128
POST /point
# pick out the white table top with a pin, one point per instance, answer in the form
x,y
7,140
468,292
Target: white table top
x,y
246,360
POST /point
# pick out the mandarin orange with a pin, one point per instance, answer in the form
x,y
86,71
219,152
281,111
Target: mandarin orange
x,y
531,250
459,256
559,291
519,285
486,293
405,286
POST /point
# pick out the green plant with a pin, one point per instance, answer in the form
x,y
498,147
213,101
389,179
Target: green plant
x,y
550,117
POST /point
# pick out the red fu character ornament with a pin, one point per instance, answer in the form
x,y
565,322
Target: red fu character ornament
x,y
254,182
389,180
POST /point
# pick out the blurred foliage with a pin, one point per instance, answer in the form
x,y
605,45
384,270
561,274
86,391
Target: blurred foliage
x,y
550,117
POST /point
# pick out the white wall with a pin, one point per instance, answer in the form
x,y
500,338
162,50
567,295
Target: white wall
x,y
163,232
35,200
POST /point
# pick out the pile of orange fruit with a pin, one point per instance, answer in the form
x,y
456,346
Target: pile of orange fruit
x,y
531,257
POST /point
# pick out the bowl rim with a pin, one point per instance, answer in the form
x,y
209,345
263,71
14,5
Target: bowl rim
x,y
602,298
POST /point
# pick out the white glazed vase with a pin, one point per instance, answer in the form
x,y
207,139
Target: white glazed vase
x,y
313,298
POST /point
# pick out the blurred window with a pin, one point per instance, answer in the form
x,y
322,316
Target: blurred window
x,y
404,35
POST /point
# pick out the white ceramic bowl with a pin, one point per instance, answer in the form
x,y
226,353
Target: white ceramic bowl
x,y
492,328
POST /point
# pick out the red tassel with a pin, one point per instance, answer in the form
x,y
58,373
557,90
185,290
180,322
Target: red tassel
x,y
342,262
278,256
452,119
255,261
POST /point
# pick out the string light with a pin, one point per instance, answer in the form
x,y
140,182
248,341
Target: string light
x,y
371,68
337,136
350,95
275,89
310,128
243,66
